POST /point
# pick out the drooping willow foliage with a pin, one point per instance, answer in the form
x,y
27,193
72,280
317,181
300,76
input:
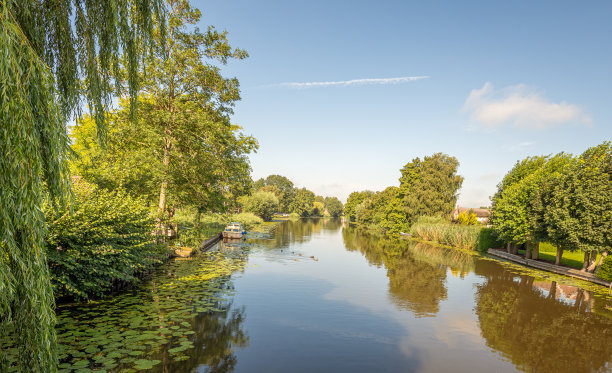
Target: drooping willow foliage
x,y
54,54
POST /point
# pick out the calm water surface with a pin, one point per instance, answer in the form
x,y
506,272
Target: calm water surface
x,y
323,297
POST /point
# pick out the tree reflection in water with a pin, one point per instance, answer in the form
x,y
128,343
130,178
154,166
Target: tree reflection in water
x,y
217,336
298,231
541,330
537,325
416,272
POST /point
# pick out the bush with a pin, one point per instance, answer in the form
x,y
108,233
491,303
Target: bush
x,y
460,236
102,241
262,204
487,239
294,216
605,270
247,219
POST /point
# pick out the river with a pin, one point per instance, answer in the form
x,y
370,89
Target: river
x,y
319,296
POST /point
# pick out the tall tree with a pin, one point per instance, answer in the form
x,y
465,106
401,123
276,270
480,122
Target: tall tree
x,y
285,189
185,97
579,214
333,206
431,186
509,204
54,54
303,202
354,199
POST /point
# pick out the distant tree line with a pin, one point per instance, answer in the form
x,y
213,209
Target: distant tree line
x,y
427,187
562,199
277,194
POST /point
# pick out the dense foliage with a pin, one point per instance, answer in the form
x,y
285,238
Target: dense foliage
x,y
262,204
282,187
183,150
333,206
303,203
467,218
605,270
560,199
54,54
427,187
102,241
430,186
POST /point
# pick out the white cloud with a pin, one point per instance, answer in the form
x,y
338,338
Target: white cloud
x,y
344,83
519,106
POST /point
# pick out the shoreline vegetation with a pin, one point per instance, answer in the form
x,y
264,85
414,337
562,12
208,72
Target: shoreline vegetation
x,y
554,209
90,209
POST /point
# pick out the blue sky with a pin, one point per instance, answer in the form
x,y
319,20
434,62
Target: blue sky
x,y
498,81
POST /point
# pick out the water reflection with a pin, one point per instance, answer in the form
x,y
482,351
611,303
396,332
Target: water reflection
x,y
217,335
540,325
181,319
298,231
416,272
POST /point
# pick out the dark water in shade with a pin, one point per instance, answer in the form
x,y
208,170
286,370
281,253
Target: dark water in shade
x,y
320,297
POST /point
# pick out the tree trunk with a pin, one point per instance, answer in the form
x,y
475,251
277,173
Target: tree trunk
x,y
601,259
197,218
527,250
164,186
509,247
585,263
559,255
592,262
515,248
535,255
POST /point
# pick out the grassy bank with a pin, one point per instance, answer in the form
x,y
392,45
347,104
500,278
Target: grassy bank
x,y
548,253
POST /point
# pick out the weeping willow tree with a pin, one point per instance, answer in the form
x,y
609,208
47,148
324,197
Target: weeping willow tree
x,y
56,56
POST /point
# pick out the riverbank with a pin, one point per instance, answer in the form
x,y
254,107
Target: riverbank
x,y
545,266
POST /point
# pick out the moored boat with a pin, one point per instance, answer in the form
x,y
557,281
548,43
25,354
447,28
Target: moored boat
x,y
234,230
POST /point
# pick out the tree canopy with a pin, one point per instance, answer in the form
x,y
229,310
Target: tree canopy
x,y
54,55
560,199
285,190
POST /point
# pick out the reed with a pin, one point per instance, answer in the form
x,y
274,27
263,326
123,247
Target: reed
x,y
460,236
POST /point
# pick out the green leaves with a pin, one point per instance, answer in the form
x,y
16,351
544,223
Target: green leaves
x,y
103,240
262,204
430,187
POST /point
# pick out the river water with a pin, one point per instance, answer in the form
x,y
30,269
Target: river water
x,y
320,296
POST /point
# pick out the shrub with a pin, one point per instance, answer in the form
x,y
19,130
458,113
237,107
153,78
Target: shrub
x,y
487,239
605,270
262,204
103,240
247,219
467,218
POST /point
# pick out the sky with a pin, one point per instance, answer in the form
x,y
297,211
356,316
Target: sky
x,y
342,94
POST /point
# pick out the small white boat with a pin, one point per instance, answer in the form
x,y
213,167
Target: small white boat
x,y
234,230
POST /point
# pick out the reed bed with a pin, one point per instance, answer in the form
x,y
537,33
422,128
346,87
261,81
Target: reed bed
x,y
460,236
